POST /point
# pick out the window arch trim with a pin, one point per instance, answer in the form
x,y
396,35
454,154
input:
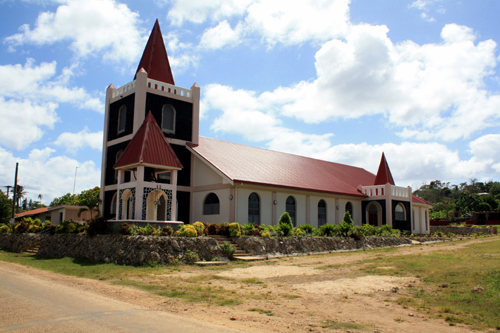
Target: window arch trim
x,y
291,209
122,119
211,204
168,115
254,208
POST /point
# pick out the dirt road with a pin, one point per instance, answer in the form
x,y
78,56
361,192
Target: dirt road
x,y
37,304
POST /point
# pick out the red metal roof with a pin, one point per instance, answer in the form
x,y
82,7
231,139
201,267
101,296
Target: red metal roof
x,y
384,175
149,146
253,165
33,212
154,59
420,200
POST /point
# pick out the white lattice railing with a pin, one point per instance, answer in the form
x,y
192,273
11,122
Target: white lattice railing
x,y
379,190
400,192
120,91
158,85
374,191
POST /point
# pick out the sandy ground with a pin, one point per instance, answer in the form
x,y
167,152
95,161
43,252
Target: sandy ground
x,y
301,292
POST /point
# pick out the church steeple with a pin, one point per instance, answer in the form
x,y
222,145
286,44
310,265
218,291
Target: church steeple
x,y
154,59
384,175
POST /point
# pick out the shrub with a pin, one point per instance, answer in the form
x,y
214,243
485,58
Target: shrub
x,y
167,231
228,250
60,229
47,224
124,229
213,229
190,256
71,228
285,228
223,229
96,226
348,219
21,227
297,232
307,228
234,229
318,233
4,228
329,230
274,231
265,233
178,233
286,219
200,227
483,207
248,228
189,231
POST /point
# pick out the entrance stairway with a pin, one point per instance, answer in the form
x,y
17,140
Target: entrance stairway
x,y
34,249
239,251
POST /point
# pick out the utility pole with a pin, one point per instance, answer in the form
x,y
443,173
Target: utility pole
x,y
74,185
15,192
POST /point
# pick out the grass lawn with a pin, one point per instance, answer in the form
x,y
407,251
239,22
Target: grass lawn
x,y
460,286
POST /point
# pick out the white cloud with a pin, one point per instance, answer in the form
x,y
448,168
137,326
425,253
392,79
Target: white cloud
x,y
51,176
199,11
23,122
277,21
219,36
92,26
433,91
75,141
425,6
29,97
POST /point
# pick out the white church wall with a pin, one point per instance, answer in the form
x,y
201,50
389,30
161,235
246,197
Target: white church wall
x,y
204,175
266,203
224,206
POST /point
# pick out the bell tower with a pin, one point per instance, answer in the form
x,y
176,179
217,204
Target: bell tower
x,y
151,100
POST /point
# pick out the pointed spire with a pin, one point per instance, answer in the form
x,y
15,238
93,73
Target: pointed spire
x,y
149,147
384,175
154,59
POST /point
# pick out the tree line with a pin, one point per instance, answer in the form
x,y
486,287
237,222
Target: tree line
x,y
466,197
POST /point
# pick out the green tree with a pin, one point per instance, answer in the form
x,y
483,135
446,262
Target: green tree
x,y
490,200
67,199
90,199
5,208
468,202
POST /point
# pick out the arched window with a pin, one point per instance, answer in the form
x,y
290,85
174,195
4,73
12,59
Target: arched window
x,y
348,208
290,209
321,213
113,205
117,157
211,204
373,214
168,119
400,213
122,119
253,208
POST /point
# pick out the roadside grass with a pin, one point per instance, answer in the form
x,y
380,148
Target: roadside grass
x,y
337,325
459,285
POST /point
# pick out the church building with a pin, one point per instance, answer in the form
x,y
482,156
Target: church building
x,y
156,168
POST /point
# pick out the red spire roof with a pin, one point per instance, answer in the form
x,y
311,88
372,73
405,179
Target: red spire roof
x,y
149,146
384,175
154,59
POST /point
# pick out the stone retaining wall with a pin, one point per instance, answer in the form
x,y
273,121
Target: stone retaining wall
x,y
136,250
117,249
293,245
462,230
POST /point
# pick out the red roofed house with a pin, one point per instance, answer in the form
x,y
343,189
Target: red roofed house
x,y
156,167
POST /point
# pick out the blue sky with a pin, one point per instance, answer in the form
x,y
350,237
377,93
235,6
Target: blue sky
x,y
337,80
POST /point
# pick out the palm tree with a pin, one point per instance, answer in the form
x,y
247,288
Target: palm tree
x,y
40,197
20,194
